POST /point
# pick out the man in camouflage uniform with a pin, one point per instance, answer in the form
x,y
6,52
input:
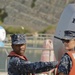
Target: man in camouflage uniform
x,y
18,63
67,62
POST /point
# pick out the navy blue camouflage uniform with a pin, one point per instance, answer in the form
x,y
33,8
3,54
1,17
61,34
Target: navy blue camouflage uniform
x,y
65,64
19,66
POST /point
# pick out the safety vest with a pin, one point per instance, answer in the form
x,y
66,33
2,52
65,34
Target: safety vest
x,y
72,55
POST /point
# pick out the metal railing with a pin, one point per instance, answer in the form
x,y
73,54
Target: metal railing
x,y
35,41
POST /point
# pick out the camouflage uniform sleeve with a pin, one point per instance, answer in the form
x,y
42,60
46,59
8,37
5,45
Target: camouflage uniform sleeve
x,y
29,67
65,64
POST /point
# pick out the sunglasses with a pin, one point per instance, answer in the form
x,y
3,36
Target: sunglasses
x,y
67,41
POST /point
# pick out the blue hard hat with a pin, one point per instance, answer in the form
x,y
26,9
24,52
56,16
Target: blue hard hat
x,y
18,39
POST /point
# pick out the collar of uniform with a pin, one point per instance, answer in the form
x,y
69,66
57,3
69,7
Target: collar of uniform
x,y
12,54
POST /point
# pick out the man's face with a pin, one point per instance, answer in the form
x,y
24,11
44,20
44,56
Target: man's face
x,y
19,48
69,44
